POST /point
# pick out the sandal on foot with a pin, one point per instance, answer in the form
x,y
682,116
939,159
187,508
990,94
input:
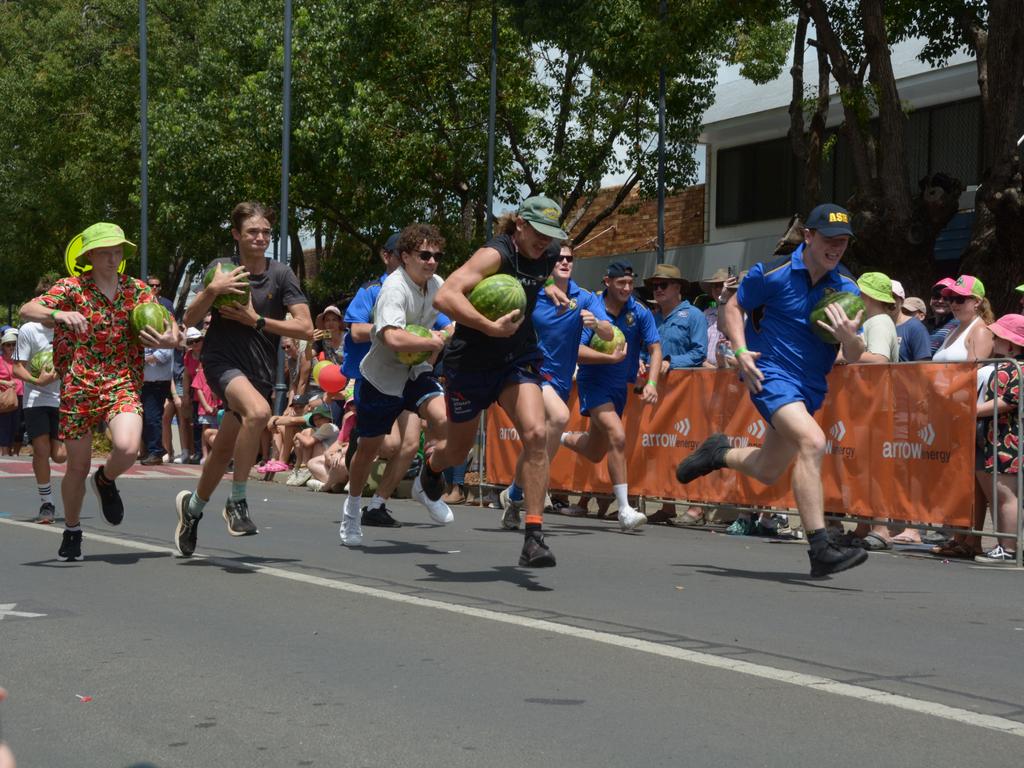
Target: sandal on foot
x,y
874,542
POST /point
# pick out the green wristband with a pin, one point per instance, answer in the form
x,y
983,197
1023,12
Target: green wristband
x,y
652,383
549,281
53,313
740,351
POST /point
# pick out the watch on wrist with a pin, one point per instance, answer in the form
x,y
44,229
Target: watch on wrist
x,y
261,321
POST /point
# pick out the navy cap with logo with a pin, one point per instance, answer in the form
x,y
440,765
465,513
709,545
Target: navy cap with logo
x,y
830,219
391,246
620,269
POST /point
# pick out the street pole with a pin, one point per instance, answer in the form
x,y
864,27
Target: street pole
x,y
661,152
492,119
144,117
286,129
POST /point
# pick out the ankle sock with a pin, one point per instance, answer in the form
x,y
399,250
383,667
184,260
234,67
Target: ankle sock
x,y
196,505
621,494
352,505
376,502
515,492
237,490
817,540
72,528
45,494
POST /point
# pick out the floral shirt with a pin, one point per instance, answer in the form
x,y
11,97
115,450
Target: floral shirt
x,y
107,357
1006,434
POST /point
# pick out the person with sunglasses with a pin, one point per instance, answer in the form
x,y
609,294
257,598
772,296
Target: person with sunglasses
x,y
401,445
942,322
498,361
239,362
558,333
971,339
388,386
785,368
604,381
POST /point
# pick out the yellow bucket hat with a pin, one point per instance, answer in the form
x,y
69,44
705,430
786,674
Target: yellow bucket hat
x,y
100,235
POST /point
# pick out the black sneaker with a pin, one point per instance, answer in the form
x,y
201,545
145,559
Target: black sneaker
x,y
188,526
535,552
236,515
706,459
432,482
70,546
380,517
46,513
110,500
833,559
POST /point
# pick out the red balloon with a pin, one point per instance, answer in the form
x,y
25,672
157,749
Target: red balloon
x,y
332,380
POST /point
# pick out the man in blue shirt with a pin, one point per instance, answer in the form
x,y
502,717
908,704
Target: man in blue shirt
x,y
401,445
559,330
785,368
604,381
683,329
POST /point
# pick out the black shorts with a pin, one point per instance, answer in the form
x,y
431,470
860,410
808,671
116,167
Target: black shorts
x,y
42,420
470,392
220,374
376,412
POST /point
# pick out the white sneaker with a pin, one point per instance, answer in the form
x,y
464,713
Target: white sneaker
x,y
439,511
509,511
181,458
299,477
314,485
351,529
630,519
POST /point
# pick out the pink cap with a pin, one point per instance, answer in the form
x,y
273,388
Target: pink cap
x,y
965,285
1009,327
944,282
897,289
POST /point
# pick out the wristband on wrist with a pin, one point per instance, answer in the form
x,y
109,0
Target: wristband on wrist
x,y
739,351
53,313
445,334
652,383
549,281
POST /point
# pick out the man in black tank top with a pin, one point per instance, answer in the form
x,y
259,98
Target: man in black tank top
x,y
498,361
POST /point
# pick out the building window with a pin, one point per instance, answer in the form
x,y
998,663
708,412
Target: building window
x,y
755,183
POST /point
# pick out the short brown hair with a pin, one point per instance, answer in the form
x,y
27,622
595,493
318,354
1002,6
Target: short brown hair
x,y
249,209
414,234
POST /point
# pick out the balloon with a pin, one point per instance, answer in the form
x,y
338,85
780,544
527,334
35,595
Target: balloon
x,y
317,367
332,380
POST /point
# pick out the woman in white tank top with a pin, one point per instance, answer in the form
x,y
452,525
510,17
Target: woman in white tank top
x,y
971,340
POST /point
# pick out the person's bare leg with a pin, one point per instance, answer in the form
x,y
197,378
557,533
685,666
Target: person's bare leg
x,y
166,439
408,425
362,463
41,456
237,438
125,437
524,404
72,487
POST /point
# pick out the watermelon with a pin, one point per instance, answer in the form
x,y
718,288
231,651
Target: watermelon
x,y
415,358
497,295
152,314
226,298
849,303
608,347
41,361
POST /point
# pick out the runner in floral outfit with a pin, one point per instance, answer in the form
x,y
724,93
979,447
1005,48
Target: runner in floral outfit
x,y
100,365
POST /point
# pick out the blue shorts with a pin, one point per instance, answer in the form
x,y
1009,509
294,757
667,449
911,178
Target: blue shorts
x,y
562,392
593,395
376,413
779,389
470,392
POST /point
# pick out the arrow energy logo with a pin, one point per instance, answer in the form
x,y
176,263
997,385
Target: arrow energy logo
x,y
683,427
832,443
757,429
668,439
905,450
927,434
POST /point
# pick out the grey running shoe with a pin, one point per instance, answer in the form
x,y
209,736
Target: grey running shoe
x,y
186,533
510,511
236,515
46,513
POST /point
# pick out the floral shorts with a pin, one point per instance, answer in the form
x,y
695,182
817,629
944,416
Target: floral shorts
x,y
79,417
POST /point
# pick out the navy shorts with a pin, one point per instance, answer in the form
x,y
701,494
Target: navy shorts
x,y
592,395
470,392
42,420
780,388
376,412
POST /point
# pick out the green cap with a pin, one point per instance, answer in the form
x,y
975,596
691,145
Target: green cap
x,y
877,286
543,213
100,235
1019,288
320,410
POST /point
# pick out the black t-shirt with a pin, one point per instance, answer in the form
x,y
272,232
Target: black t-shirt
x,y
231,344
472,350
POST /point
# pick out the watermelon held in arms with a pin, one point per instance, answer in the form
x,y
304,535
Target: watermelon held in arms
x,y
41,361
608,347
497,295
415,358
152,314
226,298
848,302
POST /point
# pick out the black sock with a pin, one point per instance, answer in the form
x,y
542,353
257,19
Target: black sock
x,y
530,527
818,540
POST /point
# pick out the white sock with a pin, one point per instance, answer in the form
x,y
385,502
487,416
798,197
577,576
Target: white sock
x,y
45,494
352,505
376,502
562,438
621,495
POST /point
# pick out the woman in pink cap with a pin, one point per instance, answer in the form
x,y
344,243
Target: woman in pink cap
x,y
1000,451
971,340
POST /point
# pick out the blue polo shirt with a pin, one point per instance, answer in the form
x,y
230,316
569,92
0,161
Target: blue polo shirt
x,y
637,324
684,336
559,334
360,310
778,298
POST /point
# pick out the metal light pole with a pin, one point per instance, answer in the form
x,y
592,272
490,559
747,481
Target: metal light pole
x,y
144,117
280,389
661,152
492,118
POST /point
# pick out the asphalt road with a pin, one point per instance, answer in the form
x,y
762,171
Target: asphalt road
x,y
430,647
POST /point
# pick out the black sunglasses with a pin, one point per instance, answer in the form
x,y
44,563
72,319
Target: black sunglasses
x,y
958,299
563,257
428,255
659,286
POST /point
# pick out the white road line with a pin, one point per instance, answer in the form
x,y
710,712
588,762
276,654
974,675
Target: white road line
x,y
812,682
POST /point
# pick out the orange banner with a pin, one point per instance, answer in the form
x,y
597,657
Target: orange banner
x,y
900,442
